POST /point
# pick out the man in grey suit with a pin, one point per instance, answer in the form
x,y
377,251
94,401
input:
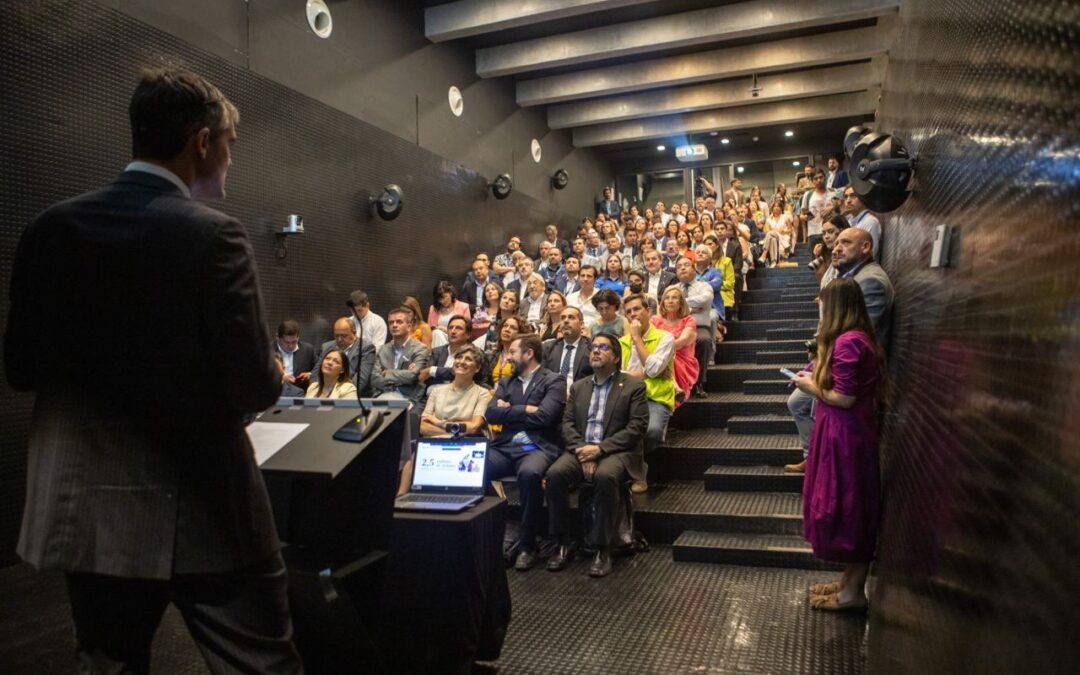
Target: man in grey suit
x,y
603,424
361,358
853,257
399,362
147,493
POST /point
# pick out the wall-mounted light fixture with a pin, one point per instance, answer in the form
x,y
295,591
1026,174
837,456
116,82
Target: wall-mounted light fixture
x,y
319,19
294,225
502,186
456,101
560,179
388,204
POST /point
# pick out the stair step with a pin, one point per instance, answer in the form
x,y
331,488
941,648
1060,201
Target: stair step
x,y
759,329
745,351
785,282
717,407
783,334
781,357
774,387
730,376
761,424
778,310
688,454
759,550
752,479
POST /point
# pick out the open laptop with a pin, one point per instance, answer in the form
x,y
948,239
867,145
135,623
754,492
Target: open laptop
x,y
448,475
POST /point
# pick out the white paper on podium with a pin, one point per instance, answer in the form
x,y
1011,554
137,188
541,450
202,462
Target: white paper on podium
x,y
269,437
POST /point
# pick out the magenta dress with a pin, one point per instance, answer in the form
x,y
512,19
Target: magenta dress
x,y
686,366
842,485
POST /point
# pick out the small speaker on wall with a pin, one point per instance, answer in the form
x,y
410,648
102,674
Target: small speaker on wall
x,y
502,186
560,179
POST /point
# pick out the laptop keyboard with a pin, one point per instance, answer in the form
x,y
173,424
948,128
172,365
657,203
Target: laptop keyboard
x,y
441,499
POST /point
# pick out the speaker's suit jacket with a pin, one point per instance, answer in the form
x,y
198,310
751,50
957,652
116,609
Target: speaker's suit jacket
x,y
153,475
626,416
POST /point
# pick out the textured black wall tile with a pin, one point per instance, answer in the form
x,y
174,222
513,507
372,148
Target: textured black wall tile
x,y
981,534
67,81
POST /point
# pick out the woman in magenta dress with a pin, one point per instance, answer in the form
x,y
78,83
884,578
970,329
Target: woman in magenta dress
x,y
674,317
841,489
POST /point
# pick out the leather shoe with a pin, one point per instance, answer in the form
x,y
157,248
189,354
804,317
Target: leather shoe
x,y
525,560
562,557
601,564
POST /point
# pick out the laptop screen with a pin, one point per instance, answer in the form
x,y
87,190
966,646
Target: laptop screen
x,y
449,465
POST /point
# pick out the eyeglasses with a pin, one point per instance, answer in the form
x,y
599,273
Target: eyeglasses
x,y
600,346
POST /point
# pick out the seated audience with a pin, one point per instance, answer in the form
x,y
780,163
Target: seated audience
x,y
503,264
360,359
332,380
288,389
370,327
579,251
508,306
441,370
859,216
583,296
682,242
724,265
671,255
573,266
822,265
656,277
773,247
535,300
525,269
568,356
488,313
457,401
550,327
607,305
603,423
399,361
699,297
498,350
298,357
648,353
445,304
554,272
704,271
841,492
613,279
675,318
473,290
421,331
551,232
527,407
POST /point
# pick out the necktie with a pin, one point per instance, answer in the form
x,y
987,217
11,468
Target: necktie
x,y
686,288
567,360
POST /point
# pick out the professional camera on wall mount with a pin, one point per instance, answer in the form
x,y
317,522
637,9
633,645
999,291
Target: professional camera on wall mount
x,y
880,168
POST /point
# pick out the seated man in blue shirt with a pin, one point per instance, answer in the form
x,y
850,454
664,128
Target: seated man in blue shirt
x,y
526,410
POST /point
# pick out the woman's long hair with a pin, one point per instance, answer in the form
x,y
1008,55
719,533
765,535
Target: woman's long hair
x,y
842,309
344,376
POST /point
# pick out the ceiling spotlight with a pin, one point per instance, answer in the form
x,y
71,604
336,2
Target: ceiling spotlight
x,y
789,133
661,148
725,141
739,169
713,133
388,205
502,186
796,163
755,139
559,179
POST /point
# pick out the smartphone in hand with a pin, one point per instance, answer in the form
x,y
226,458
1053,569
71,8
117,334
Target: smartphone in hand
x,y
787,373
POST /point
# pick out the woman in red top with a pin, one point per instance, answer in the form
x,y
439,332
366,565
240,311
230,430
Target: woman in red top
x,y
674,317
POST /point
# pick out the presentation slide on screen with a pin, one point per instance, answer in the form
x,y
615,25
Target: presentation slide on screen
x,y
452,465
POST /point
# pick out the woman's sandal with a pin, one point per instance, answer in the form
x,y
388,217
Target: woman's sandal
x,y
831,603
825,589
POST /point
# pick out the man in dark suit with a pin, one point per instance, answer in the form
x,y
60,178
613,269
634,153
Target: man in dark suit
x,y
657,279
551,232
298,357
603,424
398,362
441,370
836,179
472,291
527,407
361,359
569,355
147,493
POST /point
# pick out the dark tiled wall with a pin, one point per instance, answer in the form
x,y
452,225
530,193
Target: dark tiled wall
x,y
978,564
69,68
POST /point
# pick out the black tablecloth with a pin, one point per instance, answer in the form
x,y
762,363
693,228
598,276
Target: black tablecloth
x,y
446,602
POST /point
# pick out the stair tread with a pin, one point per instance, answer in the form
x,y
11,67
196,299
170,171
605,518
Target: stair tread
x,y
719,439
737,397
758,470
747,541
760,366
761,418
691,497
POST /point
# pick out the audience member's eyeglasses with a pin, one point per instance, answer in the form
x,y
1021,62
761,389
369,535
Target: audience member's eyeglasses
x,y
601,346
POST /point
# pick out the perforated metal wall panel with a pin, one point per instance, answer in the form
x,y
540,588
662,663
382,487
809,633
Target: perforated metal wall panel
x,y
68,71
981,536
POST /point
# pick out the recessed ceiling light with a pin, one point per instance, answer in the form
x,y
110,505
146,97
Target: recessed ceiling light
x,y
713,133
789,133
739,169
725,141
796,163
661,148
755,139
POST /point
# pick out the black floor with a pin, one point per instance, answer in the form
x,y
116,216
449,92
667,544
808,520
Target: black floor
x,y
651,615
